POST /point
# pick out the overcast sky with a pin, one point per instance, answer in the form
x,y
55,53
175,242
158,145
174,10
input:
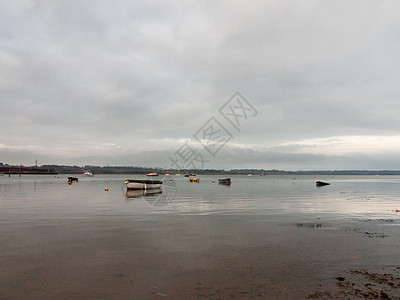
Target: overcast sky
x,y
132,82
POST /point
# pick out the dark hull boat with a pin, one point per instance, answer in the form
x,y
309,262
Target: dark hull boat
x,y
72,179
321,183
225,181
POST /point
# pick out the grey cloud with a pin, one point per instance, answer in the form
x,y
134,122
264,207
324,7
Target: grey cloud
x,y
77,74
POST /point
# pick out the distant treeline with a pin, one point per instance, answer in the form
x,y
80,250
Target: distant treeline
x,y
26,170
125,170
64,169
315,172
145,170
100,170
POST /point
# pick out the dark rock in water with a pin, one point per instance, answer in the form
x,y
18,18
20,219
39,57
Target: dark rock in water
x,y
321,183
340,278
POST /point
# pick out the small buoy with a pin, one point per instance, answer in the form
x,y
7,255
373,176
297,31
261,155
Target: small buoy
x,y
213,181
106,189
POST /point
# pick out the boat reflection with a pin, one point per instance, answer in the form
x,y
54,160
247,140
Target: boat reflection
x,y
139,193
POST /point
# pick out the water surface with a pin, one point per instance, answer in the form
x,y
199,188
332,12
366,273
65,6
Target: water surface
x,y
275,236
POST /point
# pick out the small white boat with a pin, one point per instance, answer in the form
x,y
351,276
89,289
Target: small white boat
x,y
88,174
152,174
139,184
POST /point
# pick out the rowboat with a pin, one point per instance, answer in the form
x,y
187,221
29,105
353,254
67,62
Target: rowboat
x,y
139,184
225,181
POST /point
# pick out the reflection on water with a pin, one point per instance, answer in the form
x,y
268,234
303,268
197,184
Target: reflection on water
x,y
154,197
46,197
141,193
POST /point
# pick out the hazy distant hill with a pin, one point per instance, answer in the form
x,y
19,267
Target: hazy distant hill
x,y
64,169
144,170
26,170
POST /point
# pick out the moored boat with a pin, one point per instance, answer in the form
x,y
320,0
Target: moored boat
x,y
225,181
321,183
196,180
88,174
139,184
152,174
72,179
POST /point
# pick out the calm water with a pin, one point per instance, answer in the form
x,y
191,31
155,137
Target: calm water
x,y
278,237
48,199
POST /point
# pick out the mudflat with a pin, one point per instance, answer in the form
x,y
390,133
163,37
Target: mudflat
x,y
199,257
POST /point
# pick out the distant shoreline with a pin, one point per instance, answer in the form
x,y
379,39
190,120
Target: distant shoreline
x,y
63,169
12,170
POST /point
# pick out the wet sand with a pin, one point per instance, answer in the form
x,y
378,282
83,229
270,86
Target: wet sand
x,y
199,257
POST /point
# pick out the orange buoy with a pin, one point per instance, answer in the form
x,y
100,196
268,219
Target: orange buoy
x,y
106,189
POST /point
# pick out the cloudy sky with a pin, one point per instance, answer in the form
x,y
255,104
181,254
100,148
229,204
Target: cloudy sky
x,y
132,82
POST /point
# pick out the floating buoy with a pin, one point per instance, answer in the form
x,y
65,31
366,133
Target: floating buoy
x,y
212,181
106,189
